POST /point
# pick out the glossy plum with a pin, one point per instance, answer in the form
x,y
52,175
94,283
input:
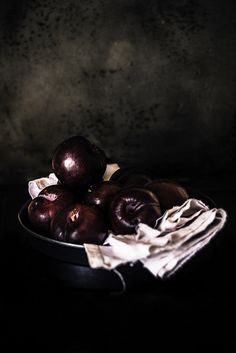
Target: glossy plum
x,y
132,206
47,204
78,163
79,224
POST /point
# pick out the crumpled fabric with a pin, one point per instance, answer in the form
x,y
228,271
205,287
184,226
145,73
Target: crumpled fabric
x,y
179,234
36,185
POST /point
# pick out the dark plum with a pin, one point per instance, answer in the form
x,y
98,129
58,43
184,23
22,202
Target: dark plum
x,y
102,194
47,204
79,224
169,193
131,177
131,206
78,163
122,172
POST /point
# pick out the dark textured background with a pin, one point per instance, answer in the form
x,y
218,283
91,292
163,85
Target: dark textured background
x,y
151,82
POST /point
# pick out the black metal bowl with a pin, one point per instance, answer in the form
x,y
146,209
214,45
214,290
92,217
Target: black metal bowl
x,y
68,262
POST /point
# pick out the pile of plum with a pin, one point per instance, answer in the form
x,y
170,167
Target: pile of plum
x,y
84,208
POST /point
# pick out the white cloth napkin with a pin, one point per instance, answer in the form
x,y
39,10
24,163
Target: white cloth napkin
x,y
36,185
180,233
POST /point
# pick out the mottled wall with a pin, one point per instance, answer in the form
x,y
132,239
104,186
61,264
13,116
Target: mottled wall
x,y
152,82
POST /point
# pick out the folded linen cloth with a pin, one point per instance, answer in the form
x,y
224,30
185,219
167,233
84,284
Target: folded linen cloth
x,y
179,234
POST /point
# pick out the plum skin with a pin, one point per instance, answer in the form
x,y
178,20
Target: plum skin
x,y
169,193
79,224
101,194
130,176
78,163
131,206
42,209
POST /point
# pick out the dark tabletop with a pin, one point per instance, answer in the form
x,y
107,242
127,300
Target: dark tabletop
x,y
192,311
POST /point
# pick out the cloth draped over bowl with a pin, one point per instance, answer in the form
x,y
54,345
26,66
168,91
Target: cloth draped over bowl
x,y
179,234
